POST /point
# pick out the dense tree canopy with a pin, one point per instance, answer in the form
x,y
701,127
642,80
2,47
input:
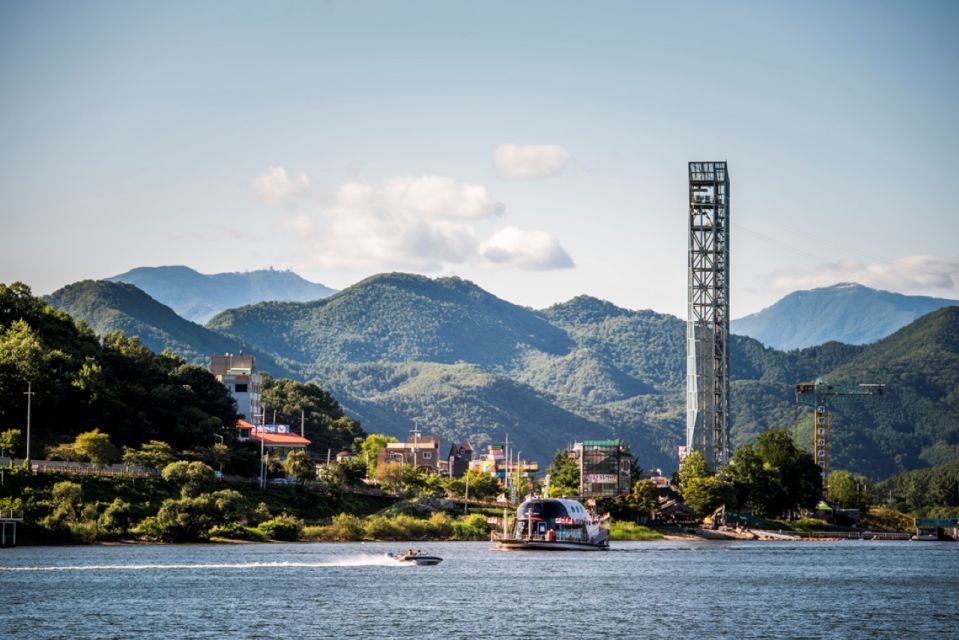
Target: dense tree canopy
x,y
132,394
322,417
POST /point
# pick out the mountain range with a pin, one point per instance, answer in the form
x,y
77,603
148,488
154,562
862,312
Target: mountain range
x,y
198,297
399,349
845,312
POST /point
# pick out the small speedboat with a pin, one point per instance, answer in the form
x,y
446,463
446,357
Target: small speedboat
x,y
416,557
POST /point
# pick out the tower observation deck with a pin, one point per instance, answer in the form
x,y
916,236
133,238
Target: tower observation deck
x,y
707,329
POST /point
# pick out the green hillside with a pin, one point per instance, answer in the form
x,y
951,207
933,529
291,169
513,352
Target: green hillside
x,y
82,382
117,306
397,349
397,318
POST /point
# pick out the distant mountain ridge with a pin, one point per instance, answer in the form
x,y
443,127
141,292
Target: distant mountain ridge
x,y
399,349
198,297
845,312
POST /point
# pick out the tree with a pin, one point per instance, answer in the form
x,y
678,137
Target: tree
x,y
95,446
851,492
323,420
645,498
154,454
390,476
694,466
192,476
66,503
705,495
774,477
563,475
300,465
9,440
371,447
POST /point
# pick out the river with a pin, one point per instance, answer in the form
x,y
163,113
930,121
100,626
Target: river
x,y
851,589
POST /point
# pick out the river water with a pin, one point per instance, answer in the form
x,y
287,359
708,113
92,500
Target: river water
x,y
850,589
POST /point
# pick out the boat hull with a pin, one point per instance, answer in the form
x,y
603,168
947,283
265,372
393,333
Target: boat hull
x,y
546,545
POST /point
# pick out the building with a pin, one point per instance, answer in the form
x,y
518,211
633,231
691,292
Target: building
x,y
605,467
707,329
238,374
278,439
458,459
497,463
421,451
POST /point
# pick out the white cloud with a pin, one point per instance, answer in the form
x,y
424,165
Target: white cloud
x,y
421,223
531,160
906,274
276,184
534,250
408,222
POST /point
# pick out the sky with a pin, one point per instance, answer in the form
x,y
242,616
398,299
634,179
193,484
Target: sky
x,y
539,149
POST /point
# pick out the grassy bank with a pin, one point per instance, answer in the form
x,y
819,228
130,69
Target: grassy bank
x,y
620,530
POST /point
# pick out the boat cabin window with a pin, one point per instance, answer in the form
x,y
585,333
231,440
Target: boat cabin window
x,y
543,509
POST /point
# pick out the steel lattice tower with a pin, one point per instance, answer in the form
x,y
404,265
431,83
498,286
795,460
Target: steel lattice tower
x,y
707,330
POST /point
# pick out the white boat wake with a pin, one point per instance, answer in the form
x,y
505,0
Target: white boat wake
x,y
365,560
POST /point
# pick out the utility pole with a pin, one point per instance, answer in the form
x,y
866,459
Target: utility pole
x,y
29,393
416,435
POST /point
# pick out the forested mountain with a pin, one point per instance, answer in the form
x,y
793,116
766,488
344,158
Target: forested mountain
x,y
846,312
198,297
397,318
116,306
455,359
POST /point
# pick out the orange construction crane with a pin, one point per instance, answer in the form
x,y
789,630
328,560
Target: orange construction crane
x,y
816,394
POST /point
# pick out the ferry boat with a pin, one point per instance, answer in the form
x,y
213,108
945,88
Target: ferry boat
x,y
554,524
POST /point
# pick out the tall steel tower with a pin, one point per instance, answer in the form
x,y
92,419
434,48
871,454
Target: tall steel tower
x,y
707,330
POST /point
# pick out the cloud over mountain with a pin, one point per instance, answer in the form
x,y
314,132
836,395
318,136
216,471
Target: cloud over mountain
x,y
908,273
534,250
417,223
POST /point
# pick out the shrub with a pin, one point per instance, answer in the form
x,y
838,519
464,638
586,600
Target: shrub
x,y
116,518
282,527
236,531
471,527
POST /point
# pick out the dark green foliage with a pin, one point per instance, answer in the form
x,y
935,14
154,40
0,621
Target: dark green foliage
x,y
587,369
774,477
705,495
396,318
283,527
563,475
108,307
190,518
322,417
132,394
925,492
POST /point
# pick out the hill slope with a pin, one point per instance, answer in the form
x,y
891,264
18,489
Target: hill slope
x,y
399,350
198,297
116,306
847,312
397,318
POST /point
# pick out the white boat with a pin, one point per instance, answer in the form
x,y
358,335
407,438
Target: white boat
x,y
554,524
416,557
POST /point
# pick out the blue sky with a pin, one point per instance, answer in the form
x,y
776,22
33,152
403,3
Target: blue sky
x,y
538,148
